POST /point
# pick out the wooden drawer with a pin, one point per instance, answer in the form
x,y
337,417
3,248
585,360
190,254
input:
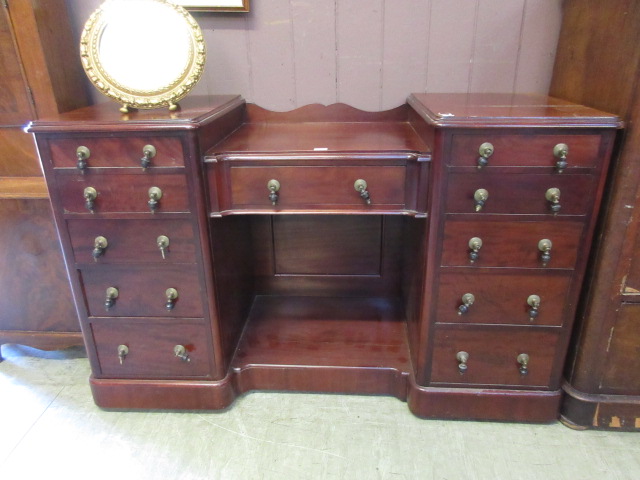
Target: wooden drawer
x,y
532,150
132,241
520,194
150,348
141,291
117,151
493,354
501,297
512,244
317,186
123,193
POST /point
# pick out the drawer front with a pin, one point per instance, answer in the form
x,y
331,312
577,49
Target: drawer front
x,y
132,241
150,348
493,356
123,193
520,194
117,151
306,187
525,150
142,291
512,244
502,298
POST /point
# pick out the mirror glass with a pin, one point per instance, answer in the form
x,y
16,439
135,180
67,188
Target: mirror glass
x,y
143,53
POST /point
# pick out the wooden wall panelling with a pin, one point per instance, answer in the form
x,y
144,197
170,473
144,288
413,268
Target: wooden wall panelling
x,y
598,64
286,54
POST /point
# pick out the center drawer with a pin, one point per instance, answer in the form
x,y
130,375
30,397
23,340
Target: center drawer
x,y
142,291
318,186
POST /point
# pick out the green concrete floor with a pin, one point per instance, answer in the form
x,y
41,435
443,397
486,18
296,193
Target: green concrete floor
x,y
50,429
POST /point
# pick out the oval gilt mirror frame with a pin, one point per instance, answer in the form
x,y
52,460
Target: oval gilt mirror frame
x,y
142,53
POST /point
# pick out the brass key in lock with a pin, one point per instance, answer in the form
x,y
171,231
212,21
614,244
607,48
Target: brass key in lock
x,y
163,244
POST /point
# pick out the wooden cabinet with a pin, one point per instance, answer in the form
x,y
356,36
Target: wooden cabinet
x,y
310,253
38,309
602,381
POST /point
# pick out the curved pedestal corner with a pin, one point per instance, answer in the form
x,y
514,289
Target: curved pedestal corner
x,y
582,411
163,394
483,404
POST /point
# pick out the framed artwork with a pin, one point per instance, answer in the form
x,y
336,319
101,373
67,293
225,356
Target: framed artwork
x,y
214,5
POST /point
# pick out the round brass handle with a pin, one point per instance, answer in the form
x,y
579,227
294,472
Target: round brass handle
x,y
480,196
181,352
467,300
90,195
360,186
475,244
163,244
148,152
100,244
534,303
171,295
553,197
111,295
544,246
561,151
82,154
273,186
123,351
155,194
523,361
463,358
485,151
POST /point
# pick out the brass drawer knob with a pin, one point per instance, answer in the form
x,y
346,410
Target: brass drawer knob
x,y
181,352
534,304
360,186
171,295
480,197
560,151
90,195
123,351
463,358
467,300
148,152
523,361
111,295
485,151
544,246
100,244
82,154
163,245
155,194
475,244
553,197
273,186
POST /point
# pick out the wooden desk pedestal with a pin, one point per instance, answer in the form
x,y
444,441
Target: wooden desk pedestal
x,y
330,250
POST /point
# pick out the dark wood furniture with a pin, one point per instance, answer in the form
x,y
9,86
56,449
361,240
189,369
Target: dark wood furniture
x,y
226,248
598,64
36,307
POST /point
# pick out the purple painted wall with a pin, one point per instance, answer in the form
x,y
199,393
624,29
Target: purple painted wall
x,y
371,53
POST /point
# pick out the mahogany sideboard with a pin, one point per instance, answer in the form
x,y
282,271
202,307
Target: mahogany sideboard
x,y
434,252
602,377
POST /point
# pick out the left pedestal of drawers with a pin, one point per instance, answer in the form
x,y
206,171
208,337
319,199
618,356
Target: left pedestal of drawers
x,y
127,196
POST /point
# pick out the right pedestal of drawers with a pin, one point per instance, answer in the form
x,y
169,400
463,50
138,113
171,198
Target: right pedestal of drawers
x,y
515,195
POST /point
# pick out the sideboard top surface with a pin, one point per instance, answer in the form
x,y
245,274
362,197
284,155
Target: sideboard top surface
x,y
506,110
193,111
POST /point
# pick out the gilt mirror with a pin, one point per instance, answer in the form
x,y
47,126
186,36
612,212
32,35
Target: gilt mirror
x,y
142,53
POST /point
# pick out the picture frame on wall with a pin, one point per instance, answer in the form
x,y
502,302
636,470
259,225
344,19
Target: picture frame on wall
x,y
214,5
